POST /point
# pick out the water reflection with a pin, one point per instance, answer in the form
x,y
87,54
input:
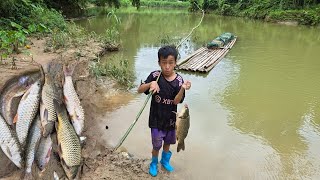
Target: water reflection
x,y
256,115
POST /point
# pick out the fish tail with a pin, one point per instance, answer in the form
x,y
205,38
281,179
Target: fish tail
x,y
180,146
58,106
26,176
67,70
47,129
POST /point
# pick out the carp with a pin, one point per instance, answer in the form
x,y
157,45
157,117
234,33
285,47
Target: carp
x,y
12,93
68,142
27,111
32,144
9,143
43,152
72,101
182,125
47,111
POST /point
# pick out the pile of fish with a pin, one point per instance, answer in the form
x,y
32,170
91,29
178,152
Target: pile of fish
x,y
31,110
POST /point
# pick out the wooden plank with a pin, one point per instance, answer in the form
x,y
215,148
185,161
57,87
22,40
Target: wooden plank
x,y
205,59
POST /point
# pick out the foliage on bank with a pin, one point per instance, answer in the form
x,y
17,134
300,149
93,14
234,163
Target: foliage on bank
x,y
306,12
19,21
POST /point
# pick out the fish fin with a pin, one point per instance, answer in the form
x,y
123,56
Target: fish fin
x,y
65,99
15,119
19,94
46,114
8,152
180,146
48,155
67,70
24,97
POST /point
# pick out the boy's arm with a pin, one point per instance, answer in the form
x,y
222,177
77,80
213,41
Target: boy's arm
x,y
153,86
185,86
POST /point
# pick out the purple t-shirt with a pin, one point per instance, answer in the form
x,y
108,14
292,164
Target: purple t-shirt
x,y
161,115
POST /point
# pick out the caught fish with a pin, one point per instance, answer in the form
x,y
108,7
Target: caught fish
x,y
72,102
68,142
9,143
43,152
182,124
11,94
32,142
27,110
47,111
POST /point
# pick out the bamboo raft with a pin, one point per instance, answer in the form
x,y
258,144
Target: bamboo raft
x,y
204,59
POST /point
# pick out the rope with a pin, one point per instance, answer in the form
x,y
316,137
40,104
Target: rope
x,y
193,27
137,117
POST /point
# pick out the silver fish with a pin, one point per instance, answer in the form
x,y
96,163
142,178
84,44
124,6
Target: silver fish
x,y
43,152
68,142
182,124
47,111
32,143
9,143
72,102
27,110
11,94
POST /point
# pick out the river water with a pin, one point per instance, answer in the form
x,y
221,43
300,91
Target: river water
x,y
256,115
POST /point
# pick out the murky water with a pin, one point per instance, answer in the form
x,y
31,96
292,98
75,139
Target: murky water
x,y
256,115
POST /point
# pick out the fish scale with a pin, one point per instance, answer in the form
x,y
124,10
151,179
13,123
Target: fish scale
x,y
48,93
33,139
27,110
44,152
9,143
182,124
72,101
68,139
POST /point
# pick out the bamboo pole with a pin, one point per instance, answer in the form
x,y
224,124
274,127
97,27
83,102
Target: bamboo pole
x,y
204,62
137,117
191,60
197,61
190,56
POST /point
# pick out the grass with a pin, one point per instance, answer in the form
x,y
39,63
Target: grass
x,y
118,70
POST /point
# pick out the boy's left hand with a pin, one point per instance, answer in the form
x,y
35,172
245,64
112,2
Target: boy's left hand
x,y
186,85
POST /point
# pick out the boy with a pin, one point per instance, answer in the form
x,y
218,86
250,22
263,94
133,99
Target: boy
x,y
166,94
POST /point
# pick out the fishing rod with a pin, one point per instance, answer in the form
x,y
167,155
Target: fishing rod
x,y
150,93
135,121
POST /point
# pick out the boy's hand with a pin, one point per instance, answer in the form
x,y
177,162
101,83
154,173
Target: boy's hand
x,y
154,87
186,85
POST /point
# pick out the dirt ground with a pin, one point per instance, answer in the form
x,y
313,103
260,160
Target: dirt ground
x,y
100,162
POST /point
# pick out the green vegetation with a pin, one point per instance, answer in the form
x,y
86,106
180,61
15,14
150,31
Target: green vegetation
x,y
159,3
22,19
306,12
118,70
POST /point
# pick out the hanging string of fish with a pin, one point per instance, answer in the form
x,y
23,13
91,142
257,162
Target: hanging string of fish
x,y
31,110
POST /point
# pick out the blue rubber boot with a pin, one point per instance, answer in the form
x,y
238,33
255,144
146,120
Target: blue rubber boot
x,y
153,170
165,160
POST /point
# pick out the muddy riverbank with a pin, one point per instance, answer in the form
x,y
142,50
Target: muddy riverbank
x,y
95,94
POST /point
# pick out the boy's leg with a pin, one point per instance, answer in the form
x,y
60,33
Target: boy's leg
x,y
157,138
166,153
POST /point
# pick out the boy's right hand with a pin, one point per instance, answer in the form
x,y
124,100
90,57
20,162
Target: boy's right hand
x,y
154,87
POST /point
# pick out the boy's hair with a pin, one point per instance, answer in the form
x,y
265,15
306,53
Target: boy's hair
x,y
166,51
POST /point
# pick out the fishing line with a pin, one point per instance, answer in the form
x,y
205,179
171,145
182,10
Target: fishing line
x,y
150,93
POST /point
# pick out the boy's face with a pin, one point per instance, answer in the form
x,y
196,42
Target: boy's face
x,y
167,65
